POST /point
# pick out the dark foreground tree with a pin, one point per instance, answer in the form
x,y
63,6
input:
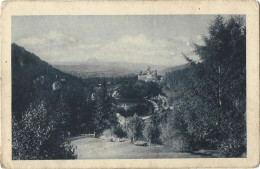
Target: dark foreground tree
x,y
38,137
217,100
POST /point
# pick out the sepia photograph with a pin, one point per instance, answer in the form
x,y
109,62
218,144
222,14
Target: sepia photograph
x,y
112,87
129,84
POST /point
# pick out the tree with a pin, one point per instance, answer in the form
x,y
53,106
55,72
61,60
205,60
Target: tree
x,y
135,128
220,87
103,117
38,137
151,131
210,95
119,132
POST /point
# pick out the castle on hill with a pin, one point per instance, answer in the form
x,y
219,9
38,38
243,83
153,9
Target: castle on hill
x,y
148,76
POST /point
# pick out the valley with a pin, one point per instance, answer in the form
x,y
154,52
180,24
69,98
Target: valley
x,y
110,69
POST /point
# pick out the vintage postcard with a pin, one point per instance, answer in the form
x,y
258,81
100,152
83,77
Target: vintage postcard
x,y
130,84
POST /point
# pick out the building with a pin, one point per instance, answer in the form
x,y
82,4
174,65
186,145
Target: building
x,y
116,95
94,93
121,119
56,85
146,119
148,75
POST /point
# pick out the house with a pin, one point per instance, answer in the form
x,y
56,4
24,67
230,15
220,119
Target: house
x,y
95,90
148,75
125,106
39,80
146,119
116,95
121,119
56,85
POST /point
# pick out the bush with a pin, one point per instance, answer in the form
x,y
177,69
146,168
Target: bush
x,y
174,132
152,133
135,128
37,137
139,109
119,132
180,143
234,145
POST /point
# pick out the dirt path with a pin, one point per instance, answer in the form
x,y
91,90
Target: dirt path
x,y
95,148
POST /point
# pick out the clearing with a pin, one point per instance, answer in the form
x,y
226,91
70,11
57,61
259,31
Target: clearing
x,y
96,148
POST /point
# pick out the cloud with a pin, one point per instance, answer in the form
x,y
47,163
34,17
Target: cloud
x,y
137,49
51,39
57,47
30,41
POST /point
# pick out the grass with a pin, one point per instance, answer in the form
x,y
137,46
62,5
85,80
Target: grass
x,y
95,148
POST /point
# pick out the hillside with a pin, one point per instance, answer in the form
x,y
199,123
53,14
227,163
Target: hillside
x,y
172,69
32,79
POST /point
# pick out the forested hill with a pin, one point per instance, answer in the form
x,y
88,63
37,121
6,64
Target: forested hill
x,y
33,79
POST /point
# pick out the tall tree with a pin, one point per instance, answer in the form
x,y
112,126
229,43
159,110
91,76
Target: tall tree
x,y
220,85
103,116
135,128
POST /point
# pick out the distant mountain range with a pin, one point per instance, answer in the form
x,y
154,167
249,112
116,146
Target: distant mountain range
x,y
95,68
34,66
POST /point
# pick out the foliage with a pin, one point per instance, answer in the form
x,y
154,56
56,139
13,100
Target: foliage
x,y
38,137
211,101
103,118
151,131
139,90
135,128
173,79
32,80
174,131
139,109
119,132
224,69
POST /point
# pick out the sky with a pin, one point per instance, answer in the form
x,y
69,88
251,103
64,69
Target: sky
x,y
152,39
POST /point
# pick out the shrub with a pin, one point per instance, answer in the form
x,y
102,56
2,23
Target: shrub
x,y
174,132
37,137
119,132
135,128
232,147
152,133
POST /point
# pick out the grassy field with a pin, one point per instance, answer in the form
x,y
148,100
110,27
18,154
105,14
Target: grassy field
x,y
95,148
